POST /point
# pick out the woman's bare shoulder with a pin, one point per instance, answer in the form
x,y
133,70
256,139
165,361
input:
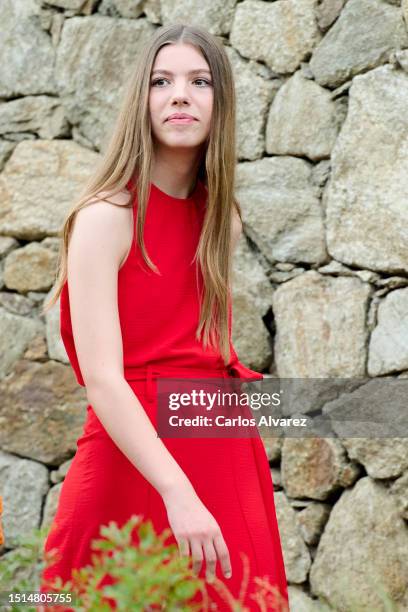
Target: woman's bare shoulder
x,y
105,221
105,209
120,198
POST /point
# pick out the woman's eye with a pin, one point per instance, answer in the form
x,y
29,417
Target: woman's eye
x,y
156,81
204,81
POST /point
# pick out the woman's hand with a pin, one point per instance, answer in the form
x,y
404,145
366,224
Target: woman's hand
x,y
195,529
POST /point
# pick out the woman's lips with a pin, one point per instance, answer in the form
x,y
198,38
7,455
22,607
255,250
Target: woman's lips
x,y
183,120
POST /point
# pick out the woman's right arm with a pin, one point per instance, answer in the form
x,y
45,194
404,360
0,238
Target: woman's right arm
x,y
98,243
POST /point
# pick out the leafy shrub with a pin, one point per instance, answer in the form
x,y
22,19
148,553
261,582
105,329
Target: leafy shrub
x,y
125,575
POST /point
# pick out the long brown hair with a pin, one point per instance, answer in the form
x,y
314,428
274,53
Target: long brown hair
x,y
129,153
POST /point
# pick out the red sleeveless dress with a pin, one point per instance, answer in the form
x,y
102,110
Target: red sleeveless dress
x,y
158,318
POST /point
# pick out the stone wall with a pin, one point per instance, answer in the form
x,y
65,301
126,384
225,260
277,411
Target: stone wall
x,y
321,275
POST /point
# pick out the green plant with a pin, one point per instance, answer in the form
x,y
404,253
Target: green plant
x,y
151,572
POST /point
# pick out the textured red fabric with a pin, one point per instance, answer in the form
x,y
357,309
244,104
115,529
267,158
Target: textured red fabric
x,y
158,318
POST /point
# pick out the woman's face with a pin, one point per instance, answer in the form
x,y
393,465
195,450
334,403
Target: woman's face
x,y
180,82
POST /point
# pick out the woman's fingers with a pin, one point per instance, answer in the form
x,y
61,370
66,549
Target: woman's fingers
x,y
210,559
213,549
223,555
184,548
196,554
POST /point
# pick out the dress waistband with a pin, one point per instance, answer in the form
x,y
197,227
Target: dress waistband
x,y
154,369
234,369
149,372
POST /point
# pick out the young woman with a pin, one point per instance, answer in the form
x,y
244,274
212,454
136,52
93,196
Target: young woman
x,y
145,293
